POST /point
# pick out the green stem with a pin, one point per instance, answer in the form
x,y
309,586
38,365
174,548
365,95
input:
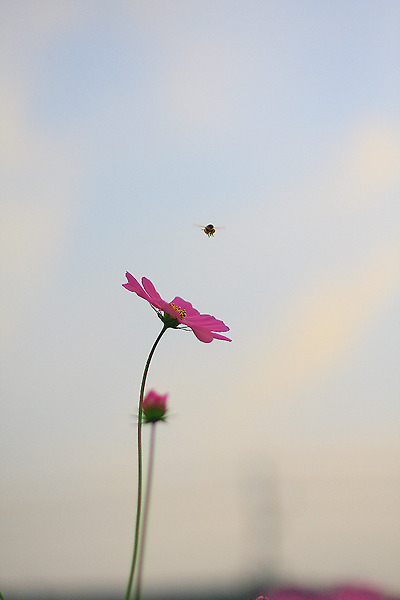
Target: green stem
x,y
140,468
146,510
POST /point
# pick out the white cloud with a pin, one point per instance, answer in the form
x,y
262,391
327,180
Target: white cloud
x,y
321,326
38,202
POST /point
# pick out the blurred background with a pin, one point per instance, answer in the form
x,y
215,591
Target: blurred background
x,y
123,125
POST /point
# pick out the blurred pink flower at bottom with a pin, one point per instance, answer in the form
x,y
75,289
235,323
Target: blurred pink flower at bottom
x,y
293,593
343,592
348,592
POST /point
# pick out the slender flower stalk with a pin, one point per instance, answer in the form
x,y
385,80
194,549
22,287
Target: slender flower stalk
x,y
140,467
146,510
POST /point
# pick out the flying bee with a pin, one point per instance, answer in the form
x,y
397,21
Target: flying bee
x,y
209,229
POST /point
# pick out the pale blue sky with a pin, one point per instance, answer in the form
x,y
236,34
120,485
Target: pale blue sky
x,y
122,125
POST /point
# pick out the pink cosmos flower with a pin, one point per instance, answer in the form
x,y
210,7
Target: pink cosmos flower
x,y
154,407
178,311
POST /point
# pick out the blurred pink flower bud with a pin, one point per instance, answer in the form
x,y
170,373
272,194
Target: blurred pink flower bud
x,y
154,407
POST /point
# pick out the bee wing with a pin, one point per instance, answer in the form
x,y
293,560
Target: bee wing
x,y
204,226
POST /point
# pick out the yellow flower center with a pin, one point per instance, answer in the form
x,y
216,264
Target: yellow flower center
x,y
181,311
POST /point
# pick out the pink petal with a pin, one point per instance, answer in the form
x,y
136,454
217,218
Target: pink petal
x,y
181,303
152,292
203,335
134,286
209,321
153,297
217,336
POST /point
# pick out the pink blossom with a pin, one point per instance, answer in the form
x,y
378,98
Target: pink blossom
x,y
154,406
348,592
343,592
293,593
178,311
